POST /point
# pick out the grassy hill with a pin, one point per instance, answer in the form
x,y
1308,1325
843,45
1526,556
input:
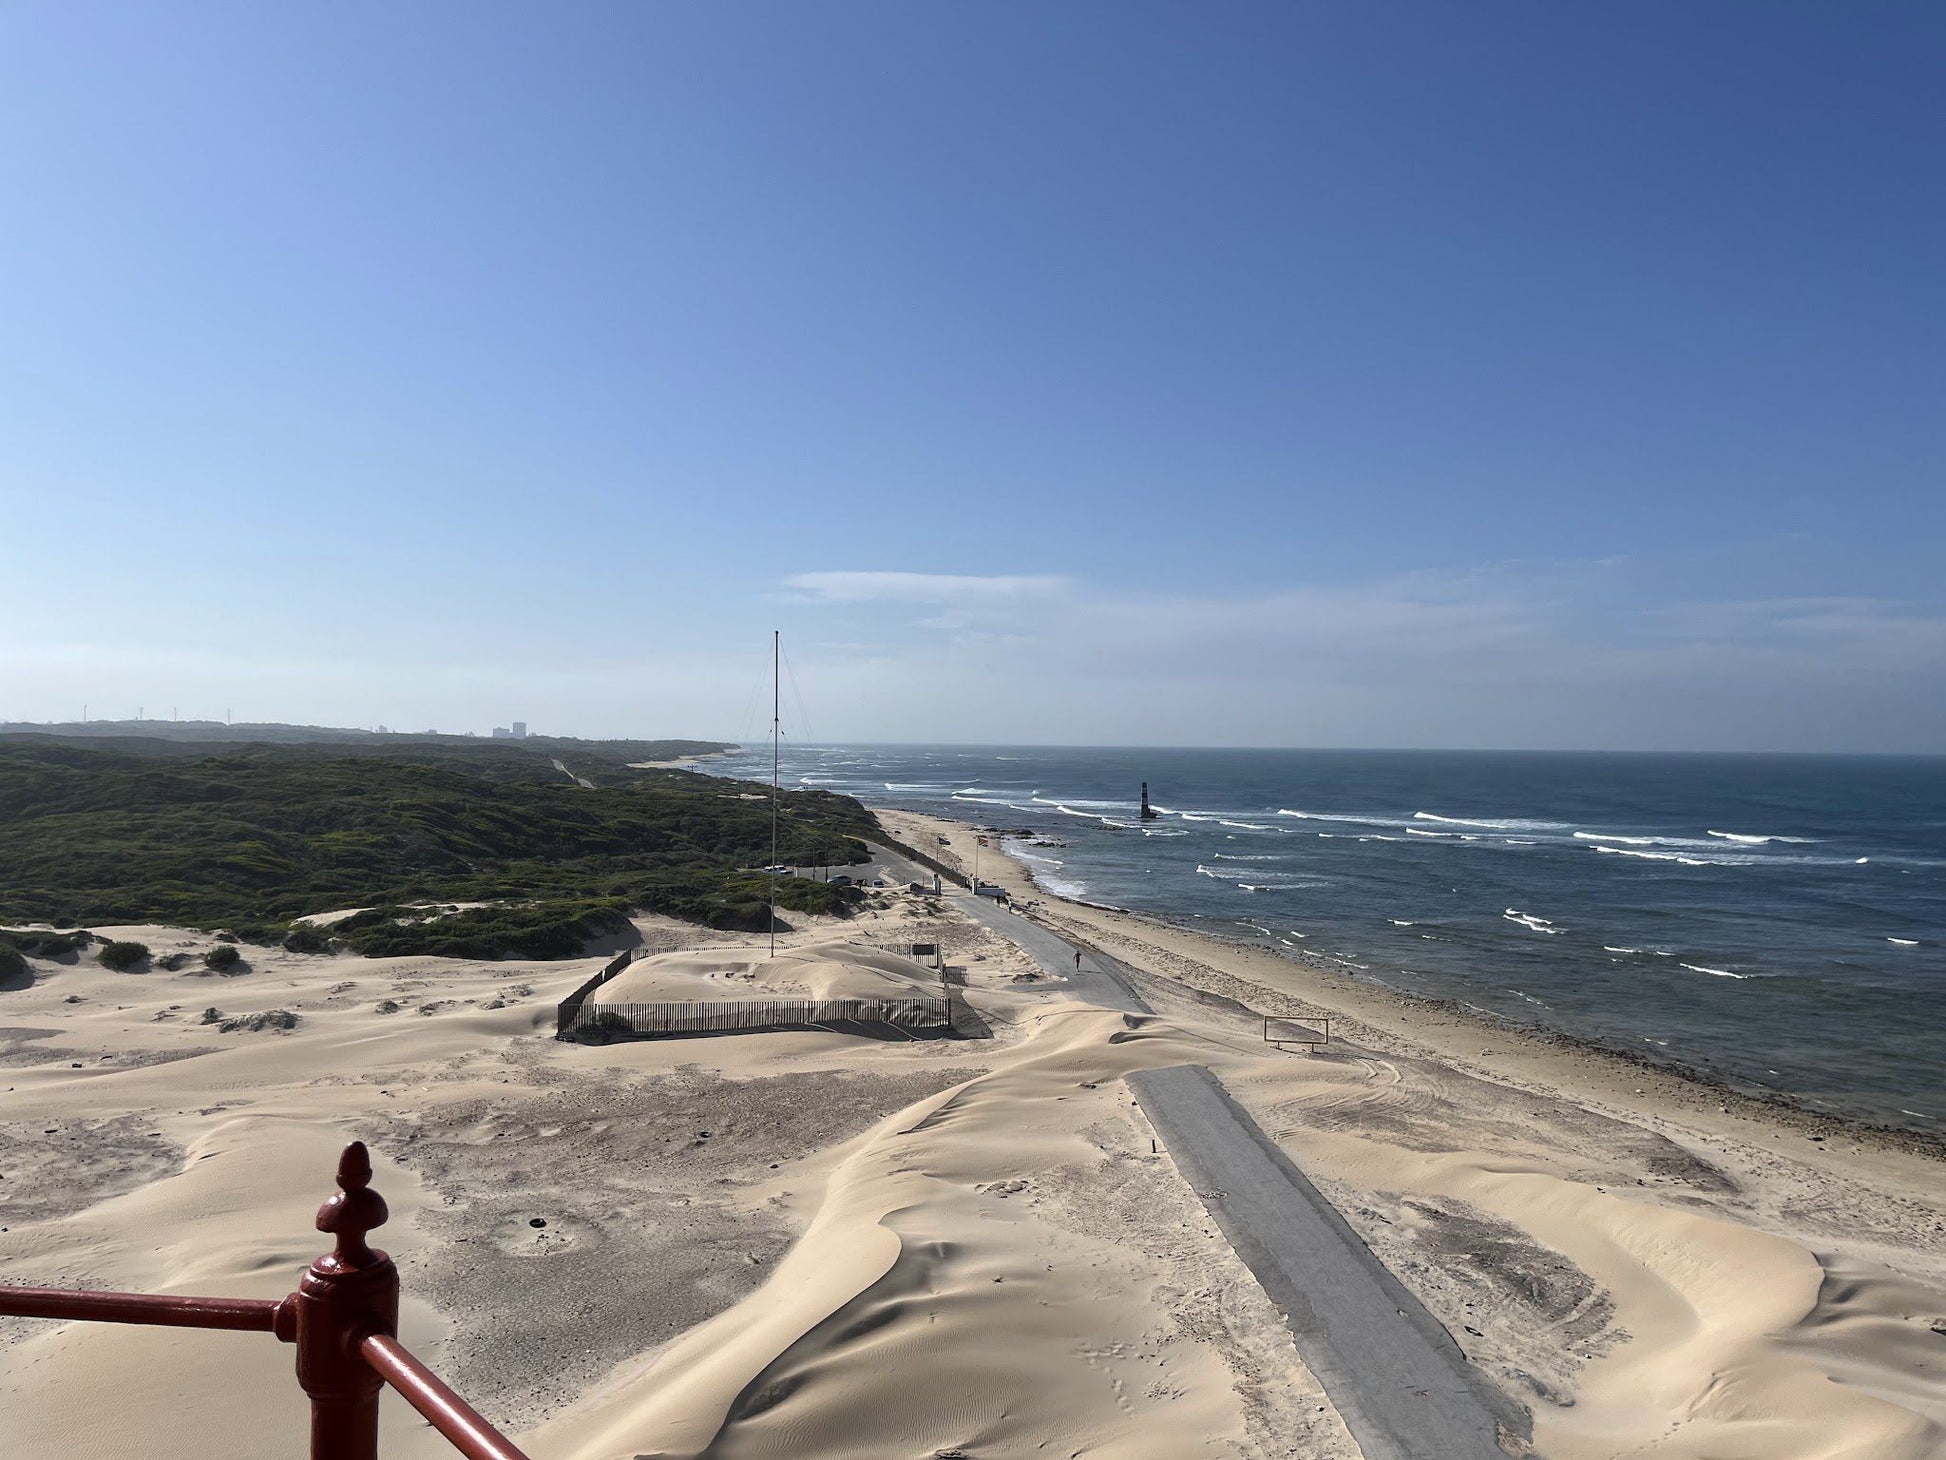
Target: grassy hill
x,y
251,836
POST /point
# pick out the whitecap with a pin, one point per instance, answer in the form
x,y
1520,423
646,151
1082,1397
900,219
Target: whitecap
x,y
1610,948
1663,857
1719,972
1757,841
1531,921
1904,942
1400,923
1333,816
1508,823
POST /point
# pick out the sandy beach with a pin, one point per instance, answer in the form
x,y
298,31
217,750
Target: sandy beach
x,y
1654,1265
798,1243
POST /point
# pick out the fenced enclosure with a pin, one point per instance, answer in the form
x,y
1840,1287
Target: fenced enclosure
x,y
569,1011
593,1021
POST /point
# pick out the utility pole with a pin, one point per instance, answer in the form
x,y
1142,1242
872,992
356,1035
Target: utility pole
x,y
776,739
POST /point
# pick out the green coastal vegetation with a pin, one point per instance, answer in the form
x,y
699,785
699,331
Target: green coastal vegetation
x,y
468,850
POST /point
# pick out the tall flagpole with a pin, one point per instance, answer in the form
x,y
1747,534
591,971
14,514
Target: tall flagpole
x,y
776,737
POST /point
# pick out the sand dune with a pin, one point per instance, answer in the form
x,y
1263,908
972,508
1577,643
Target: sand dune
x,y
786,1243
829,969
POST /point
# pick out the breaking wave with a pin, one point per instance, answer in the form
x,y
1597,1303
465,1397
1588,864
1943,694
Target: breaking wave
x,y
1530,921
1486,823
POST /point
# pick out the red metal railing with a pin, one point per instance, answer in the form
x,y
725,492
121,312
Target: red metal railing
x,y
343,1319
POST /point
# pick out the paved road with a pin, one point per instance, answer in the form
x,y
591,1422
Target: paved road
x,y
1096,980
885,863
1405,1390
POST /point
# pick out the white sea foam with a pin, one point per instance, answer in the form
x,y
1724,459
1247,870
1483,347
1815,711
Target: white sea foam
x,y
1719,972
1757,841
1420,831
1245,825
1400,923
1904,942
1030,857
1348,820
1646,841
1193,816
1063,887
1530,921
1610,948
1238,857
1664,857
1203,871
1486,823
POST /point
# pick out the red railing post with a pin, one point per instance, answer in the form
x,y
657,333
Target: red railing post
x,y
345,1297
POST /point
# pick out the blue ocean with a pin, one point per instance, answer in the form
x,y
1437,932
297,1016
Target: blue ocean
x,y
1778,922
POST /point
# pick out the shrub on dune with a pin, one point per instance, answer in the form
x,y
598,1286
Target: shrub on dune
x,y
303,938
222,958
122,956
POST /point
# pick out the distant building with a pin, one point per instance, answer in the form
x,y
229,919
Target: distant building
x,y
520,729
501,732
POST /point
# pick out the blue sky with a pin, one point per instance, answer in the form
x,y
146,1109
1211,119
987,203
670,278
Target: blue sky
x,y
1353,374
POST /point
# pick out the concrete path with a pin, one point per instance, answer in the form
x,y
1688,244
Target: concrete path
x,y
1404,1388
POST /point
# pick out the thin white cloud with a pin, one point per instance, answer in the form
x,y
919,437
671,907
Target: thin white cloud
x,y
928,588
1518,655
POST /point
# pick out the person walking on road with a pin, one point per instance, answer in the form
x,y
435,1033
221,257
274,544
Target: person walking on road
x,y
1077,960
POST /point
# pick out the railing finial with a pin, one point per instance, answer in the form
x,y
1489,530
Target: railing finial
x,y
355,1210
